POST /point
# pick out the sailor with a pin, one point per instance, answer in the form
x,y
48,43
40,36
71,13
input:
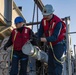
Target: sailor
x,y
52,31
19,36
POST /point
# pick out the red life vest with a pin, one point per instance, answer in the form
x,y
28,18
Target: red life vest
x,y
19,39
50,26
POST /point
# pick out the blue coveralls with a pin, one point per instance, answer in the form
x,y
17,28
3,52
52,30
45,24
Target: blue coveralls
x,y
19,56
54,67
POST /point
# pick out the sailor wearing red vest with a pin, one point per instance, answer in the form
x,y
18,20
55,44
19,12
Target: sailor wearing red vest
x,y
53,29
18,38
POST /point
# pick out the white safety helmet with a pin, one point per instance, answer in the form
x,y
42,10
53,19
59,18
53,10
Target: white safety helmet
x,y
47,10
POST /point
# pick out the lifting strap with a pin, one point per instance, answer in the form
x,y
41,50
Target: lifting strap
x,y
54,55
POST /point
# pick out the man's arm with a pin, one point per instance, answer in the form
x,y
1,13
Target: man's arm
x,y
40,31
33,37
9,42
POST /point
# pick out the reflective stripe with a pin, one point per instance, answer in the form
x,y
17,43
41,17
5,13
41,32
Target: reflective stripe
x,y
15,56
23,58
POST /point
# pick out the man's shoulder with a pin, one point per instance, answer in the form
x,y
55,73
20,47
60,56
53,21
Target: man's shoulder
x,y
27,28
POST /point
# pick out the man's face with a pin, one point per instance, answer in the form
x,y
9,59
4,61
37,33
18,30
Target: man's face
x,y
19,25
48,17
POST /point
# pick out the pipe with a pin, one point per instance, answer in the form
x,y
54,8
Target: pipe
x,y
35,52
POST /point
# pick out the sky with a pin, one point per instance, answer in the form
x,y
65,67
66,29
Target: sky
x,y
63,8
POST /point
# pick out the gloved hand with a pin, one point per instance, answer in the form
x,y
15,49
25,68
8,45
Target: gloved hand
x,y
5,48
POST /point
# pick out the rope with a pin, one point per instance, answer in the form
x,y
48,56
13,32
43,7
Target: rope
x,y
37,16
55,56
33,15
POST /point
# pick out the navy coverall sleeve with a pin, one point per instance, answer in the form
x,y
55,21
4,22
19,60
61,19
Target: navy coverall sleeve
x,y
9,42
33,38
40,31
